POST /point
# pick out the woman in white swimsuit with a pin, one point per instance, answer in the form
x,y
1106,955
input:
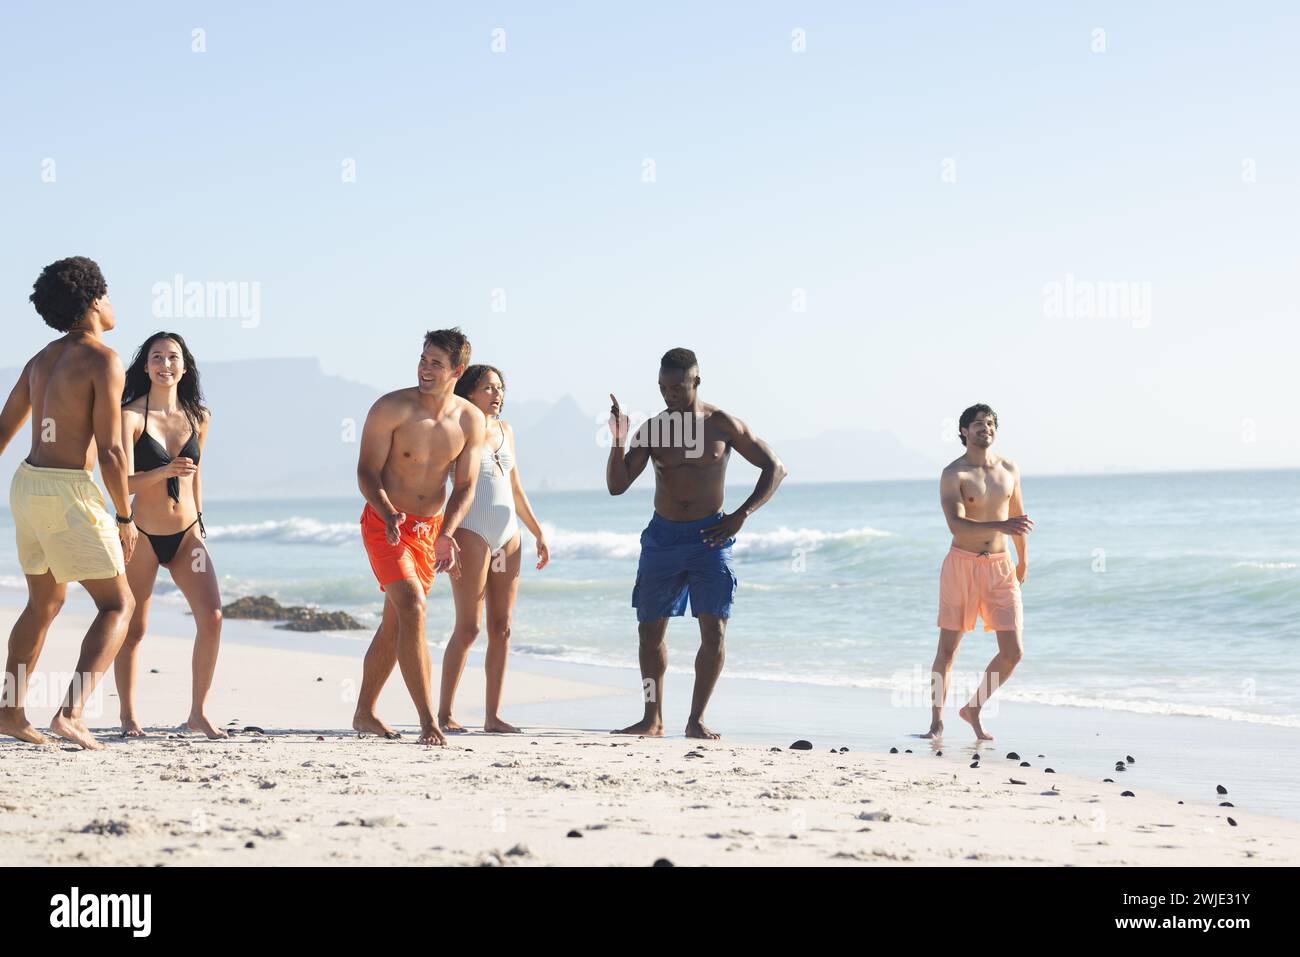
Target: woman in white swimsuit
x,y
489,554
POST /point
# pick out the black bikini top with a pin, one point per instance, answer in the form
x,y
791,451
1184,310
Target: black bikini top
x,y
151,454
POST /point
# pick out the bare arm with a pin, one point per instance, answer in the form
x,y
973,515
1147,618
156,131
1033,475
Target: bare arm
x,y
624,468
464,479
522,505
758,453
198,475
17,408
1017,509
114,459
376,443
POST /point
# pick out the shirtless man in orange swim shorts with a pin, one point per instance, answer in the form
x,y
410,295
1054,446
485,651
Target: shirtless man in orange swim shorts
x,y
980,495
410,440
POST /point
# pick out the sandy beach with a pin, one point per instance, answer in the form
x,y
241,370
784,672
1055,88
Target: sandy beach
x,y
308,791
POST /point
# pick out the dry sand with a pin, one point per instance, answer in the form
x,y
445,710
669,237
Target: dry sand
x,y
285,797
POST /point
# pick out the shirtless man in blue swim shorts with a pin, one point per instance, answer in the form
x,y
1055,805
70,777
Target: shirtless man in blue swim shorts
x,y
686,549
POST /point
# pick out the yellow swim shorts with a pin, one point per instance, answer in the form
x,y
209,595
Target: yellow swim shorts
x,y
62,526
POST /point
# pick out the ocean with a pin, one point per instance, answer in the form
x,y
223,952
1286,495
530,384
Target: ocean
x,y
1172,594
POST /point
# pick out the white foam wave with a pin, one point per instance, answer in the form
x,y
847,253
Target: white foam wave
x,y
1266,565
295,530
783,542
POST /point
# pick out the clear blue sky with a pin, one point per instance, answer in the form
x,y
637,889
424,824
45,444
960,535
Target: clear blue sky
x,y
775,170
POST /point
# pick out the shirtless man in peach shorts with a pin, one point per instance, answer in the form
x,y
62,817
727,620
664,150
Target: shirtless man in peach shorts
x,y
980,495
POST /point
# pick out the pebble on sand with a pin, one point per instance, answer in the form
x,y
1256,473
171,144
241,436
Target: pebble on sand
x,y
1014,781
1226,804
1127,794
975,764
574,834
1012,756
662,862
1129,758
1232,822
801,745
1048,771
1024,764
893,750
1220,789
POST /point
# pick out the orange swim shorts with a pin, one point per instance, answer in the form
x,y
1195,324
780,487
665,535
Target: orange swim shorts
x,y
983,585
411,557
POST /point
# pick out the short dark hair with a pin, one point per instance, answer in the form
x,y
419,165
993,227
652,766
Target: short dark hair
x,y
970,415
65,290
683,359
468,382
452,341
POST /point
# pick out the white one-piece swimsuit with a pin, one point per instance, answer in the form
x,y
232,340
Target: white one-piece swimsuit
x,y
492,515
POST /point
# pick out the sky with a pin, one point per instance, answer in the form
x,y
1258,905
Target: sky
x,y
859,215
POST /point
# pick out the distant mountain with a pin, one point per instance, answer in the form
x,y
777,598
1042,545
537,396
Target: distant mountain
x,y
282,428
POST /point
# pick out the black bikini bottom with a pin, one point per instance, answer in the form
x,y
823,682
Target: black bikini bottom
x,y
165,546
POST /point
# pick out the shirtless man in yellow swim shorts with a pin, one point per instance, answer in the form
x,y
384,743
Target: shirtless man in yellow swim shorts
x,y
73,391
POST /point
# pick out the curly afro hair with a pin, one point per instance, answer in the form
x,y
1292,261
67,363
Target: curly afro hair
x,y
65,289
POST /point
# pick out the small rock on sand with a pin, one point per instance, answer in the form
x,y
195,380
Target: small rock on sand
x,y
801,745
874,816
1220,789
574,834
1232,822
1127,794
662,862
1012,756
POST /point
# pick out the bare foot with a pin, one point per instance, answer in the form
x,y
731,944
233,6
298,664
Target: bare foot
x,y
131,728
451,725
74,730
972,715
936,731
364,724
649,727
497,726
14,723
431,735
200,722
696,729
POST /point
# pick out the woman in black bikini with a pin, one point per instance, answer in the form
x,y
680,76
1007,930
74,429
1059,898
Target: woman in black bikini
x,y
162,410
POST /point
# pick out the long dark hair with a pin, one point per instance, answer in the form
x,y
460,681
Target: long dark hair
x,y
189,393
469,381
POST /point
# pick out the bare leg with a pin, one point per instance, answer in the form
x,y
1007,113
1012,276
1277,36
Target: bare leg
x,y
413,655
44,599
141,572
502,590
708,665
381,658
113,599
940,675
467,593
653,654
194,575
999,670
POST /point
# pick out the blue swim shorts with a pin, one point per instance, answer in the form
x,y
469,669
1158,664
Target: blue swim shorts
x,y
676,564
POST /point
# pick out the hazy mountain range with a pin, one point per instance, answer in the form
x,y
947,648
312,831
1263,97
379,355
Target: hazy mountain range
x,y
282,428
